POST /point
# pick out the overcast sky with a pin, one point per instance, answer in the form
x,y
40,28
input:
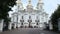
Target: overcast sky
x,y
49,5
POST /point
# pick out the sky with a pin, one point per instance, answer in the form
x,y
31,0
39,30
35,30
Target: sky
x,y
49,5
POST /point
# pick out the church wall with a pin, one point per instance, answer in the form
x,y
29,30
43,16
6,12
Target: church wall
x,y
26,17
19,18
41,22
12,19
29,11
47,18
40,18
15,19
33,17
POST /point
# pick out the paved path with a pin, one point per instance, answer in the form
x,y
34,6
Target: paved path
x,y
28,31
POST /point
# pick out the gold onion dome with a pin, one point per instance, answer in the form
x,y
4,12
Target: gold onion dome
x,y
18,2
29,4
40,1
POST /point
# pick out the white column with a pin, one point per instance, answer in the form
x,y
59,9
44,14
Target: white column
x,y
40,17
33,19
1,25
50,26
10,26
46,16
14,25
19,18
26,17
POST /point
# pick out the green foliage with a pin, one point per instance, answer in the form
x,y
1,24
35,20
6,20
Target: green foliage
x,y
54,18
4,9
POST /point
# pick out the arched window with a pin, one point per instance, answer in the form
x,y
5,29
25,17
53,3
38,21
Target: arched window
x,y
29,17
36,17
22,17
29,20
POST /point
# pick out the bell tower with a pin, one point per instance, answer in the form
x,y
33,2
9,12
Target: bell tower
x,y
19,5
40,5
29,6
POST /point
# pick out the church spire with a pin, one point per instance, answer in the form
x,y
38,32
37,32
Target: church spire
x,y
40,1
29,6
40,5
18,2
19,5
29,3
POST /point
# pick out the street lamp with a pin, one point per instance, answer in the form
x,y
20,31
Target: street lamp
x,y
30,20
21,22
37,21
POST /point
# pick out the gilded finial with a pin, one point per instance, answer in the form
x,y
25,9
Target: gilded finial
x,y
29,4
39,1
29,1
18,2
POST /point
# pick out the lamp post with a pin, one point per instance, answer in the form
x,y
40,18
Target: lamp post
x,y
29,22
21,22
37,22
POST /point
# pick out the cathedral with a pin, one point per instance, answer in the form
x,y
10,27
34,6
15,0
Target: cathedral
x,y
29,17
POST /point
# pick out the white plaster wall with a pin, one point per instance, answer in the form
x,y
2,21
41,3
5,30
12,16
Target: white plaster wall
x,y
26,17
12,19
19,24
26,24
40,18
19,18
33,17
15,19
44,19
10,26
1,25
41,21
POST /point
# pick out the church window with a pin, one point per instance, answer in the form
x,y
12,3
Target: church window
x,y
22,17
29,17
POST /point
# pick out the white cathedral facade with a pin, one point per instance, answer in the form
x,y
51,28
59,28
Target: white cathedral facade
x,y
29,17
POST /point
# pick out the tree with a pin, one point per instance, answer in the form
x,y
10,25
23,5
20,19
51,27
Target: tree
x,y
5,8
54,18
